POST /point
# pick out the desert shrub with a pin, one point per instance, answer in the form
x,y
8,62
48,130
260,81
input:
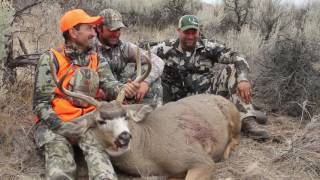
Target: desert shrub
x,y
267,16
154,13
6,15
211,18
290,81
247,43
237,14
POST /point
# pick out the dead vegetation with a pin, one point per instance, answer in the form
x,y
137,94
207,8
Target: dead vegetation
x,y
281,44
19,157
302,151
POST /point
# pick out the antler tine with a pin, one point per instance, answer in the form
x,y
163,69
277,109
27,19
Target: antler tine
x,y
87,99
146,74
138,62
121,95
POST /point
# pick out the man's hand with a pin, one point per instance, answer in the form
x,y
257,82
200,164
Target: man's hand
x,y
131,88
142,91
244,91
100,95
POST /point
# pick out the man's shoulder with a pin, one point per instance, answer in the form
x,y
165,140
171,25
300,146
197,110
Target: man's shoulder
x,y
45,56
126,45
164,47
212,43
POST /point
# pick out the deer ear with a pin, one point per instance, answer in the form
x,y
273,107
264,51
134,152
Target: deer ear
x,y
140,114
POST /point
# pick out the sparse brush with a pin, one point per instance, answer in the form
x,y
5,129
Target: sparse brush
x,y
18,155
303,151
6,15
153,13
289,79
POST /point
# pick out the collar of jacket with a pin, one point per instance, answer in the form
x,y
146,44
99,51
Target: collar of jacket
x,y
199,45
78,58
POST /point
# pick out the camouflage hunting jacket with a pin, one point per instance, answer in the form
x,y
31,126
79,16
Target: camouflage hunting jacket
x,y
188,73
45,86
122,58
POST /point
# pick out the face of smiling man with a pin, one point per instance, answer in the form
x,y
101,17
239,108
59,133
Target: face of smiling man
x,y
188,32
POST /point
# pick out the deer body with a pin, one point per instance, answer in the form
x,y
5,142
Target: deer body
x,y
180,136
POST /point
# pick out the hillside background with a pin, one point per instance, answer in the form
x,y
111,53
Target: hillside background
x,y
279,39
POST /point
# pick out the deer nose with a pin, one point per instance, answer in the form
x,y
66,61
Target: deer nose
x,y
124,138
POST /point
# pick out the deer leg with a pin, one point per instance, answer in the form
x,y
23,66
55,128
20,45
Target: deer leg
x,y
234,141
232,144
200,173
234,134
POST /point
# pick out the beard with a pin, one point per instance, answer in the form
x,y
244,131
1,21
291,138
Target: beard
x,y
112,41
188,45
109,41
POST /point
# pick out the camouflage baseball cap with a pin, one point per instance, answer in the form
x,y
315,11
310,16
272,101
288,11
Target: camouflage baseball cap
x,y
112,19
188,22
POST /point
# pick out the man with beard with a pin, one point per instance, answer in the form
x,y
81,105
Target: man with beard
x,y
65,121
121,56
188,70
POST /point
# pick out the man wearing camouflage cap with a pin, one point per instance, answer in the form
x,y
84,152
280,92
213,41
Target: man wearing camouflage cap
x,y
64,121
188,70
121,56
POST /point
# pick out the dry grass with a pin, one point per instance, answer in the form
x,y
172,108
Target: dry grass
x,y
303,150
18,155
6,12
292,153
138,34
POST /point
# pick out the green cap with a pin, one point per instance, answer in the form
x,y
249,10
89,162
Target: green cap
x,y
188,22
112,19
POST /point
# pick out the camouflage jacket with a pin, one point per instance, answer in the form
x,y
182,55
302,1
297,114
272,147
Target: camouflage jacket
x,y
45,86
122,60
188,73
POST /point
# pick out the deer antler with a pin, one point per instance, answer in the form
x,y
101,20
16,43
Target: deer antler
x,y
87,99
140,77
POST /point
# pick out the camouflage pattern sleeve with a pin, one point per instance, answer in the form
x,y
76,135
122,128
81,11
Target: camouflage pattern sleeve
x,y
161,49
157,63
44,93
224,55
108,83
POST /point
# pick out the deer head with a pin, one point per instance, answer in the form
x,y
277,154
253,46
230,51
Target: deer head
x,y
110,117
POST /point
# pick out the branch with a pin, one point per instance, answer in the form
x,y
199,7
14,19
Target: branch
x,y
24,60
23,46
17,13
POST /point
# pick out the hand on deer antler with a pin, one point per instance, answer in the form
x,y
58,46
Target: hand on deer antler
x,y
131,88
142,91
